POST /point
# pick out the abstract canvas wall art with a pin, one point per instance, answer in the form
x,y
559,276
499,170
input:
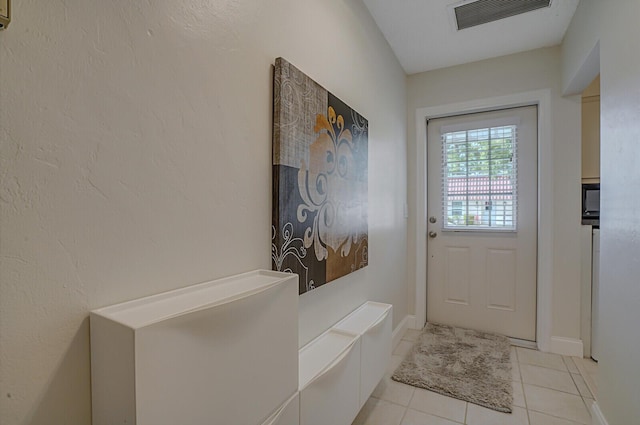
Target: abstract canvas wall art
x,y
320,181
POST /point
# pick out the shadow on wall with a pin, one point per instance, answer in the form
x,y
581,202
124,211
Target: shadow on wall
x,y
67,398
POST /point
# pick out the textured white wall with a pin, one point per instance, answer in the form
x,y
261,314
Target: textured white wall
x,y
135,157
522,72
619,37
619,374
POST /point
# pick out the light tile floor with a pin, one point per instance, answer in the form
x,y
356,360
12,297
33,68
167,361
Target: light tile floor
x,y
548,389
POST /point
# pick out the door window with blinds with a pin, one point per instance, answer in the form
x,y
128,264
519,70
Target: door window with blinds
x,y
480,177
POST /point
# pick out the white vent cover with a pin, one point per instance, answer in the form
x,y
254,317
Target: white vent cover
x,y
483,11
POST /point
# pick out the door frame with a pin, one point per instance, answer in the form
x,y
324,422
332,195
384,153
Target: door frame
x,y
542,99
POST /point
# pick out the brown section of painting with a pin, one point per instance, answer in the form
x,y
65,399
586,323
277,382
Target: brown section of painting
x,y
338,265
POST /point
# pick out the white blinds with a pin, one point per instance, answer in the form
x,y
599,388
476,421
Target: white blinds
x,y
479,179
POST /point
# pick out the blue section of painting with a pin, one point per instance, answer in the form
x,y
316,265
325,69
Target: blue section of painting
x,y
288,253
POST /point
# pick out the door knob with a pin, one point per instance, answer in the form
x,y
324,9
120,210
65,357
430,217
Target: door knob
x,y
432,234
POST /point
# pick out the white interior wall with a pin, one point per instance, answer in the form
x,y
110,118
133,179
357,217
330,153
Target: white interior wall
x,y
135,157
528,71
580,50
618,36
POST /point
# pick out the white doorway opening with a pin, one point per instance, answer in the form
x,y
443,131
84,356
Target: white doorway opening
x,y
542,99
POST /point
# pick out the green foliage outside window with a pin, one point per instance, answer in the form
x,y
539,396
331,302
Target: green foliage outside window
x,y
475,154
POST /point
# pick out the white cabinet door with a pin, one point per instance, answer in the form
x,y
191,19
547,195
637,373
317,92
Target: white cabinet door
x,y
330,379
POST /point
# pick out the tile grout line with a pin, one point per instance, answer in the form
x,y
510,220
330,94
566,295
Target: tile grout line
x,y
524,395
558,417
526,405
466,403
466,412
567,360
544,367
553,389
588,379
406,409
392,402
564,369
576,384
584,401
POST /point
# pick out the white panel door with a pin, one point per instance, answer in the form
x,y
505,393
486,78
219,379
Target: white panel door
x,y
482,225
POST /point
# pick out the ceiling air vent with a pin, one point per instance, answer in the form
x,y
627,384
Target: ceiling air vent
x,y
483,11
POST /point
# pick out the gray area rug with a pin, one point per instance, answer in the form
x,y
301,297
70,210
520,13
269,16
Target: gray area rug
x,y
468,365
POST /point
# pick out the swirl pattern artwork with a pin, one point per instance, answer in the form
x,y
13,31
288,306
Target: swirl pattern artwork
x,y
320,181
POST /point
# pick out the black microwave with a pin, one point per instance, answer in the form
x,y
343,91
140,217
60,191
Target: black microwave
x,y
591,202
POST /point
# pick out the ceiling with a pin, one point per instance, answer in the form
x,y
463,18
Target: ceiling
x,y
423,34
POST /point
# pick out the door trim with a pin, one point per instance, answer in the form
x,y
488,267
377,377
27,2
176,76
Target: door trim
x,y
541,98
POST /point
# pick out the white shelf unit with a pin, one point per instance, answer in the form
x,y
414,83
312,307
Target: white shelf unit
x,y
222,352
340,369
329,379
373,323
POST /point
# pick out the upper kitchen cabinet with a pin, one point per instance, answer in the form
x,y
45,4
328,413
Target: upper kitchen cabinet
x,y
591,133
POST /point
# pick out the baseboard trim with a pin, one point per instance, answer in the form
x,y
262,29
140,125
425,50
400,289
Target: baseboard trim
x,y
396,335
597,418
523,343
566,346
412,322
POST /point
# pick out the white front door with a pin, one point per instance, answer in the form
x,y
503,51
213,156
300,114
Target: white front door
x,y
482,221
